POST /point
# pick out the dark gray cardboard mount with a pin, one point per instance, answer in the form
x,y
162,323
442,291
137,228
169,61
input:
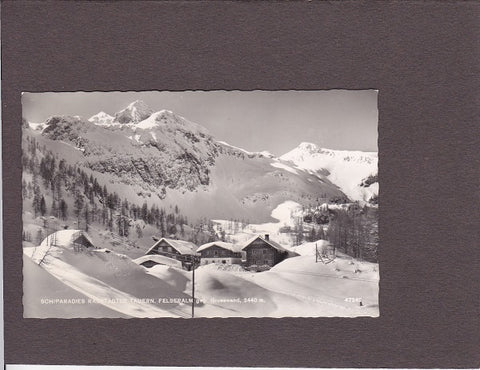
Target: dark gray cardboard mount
x,y
423,57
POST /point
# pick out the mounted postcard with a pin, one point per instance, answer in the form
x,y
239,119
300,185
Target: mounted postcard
x,y
200,204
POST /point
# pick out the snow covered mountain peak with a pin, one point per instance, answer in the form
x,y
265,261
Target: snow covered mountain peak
x,y
347,169
135,112
102,119
167,119
167,112
166,116
138,104
308,147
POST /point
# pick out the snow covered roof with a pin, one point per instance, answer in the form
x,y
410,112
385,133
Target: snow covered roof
x,y
183,247
158,259
269,241
64,238
229,246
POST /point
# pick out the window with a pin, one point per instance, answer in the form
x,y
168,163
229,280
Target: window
x,y
215,253
264,251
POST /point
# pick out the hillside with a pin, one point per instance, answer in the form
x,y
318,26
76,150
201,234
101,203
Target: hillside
x,y
57,194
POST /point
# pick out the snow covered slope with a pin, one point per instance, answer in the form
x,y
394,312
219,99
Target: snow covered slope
x,y
182,164
109,279
296,287
347,169
115,286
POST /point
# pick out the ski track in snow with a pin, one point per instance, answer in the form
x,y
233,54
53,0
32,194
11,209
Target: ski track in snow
x,y
101,292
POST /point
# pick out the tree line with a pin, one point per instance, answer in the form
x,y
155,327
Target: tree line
x,y
354,231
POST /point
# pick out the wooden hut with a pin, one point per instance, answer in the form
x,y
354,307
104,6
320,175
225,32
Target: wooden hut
x,y
177,249
77,240
262,251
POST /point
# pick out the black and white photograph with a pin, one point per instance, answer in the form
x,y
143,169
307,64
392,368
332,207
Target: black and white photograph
x,y
200,204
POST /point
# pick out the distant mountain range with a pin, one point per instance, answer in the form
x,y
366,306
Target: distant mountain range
x,y
354,172
164,158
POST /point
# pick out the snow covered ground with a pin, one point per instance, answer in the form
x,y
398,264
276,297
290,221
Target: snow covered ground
x,y
116,285
108,283
113,285
109,279
296,287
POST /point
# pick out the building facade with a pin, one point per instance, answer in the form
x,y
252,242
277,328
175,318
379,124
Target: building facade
x,y
220,252
261,251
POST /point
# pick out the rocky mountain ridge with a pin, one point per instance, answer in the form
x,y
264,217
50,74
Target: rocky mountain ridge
x,y
163,154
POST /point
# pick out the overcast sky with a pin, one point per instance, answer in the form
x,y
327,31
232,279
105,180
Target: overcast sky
x,y
276,121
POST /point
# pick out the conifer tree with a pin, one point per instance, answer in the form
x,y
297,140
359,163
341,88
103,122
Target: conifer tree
x,y
62,208
86,216
54,208
78,206
37,198
43,206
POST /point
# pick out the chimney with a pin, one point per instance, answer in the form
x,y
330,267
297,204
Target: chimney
x,y
267,237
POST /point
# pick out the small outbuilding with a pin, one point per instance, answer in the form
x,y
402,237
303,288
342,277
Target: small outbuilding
x,y
77,240
262,251
151,260
220,252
